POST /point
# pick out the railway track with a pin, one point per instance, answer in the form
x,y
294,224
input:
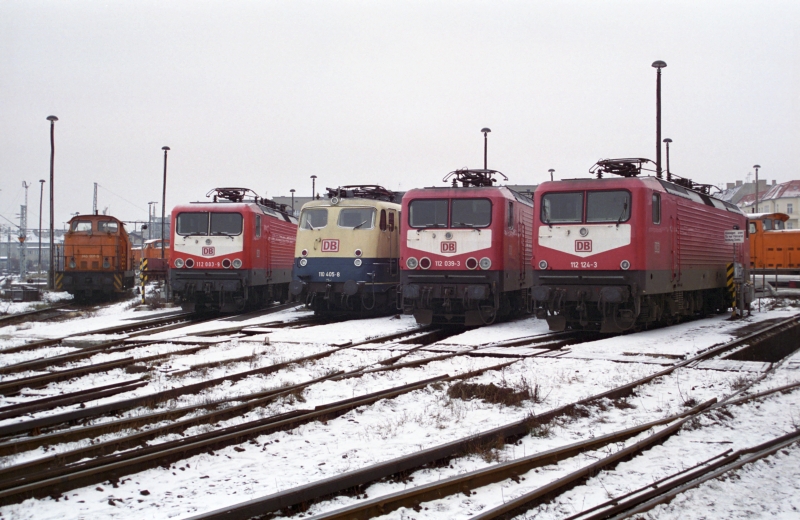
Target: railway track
x,y
301,497
44,314
69,469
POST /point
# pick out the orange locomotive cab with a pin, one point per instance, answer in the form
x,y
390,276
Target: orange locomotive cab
x,y
772,246
96,259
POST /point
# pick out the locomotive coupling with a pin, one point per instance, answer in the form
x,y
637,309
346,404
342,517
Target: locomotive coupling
x,y
296,287
411,291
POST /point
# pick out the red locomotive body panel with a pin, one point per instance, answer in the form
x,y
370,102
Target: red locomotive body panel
x,y
640,248
227,255
464,253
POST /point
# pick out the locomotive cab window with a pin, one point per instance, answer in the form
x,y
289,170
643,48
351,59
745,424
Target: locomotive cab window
x,y
383,224
191,224
752,227
510,222
778,224
226,224
471,213
391,221
427,213
562,207
81,225
656,208
258,226
767,224
608,206
313,218
357,218
107,226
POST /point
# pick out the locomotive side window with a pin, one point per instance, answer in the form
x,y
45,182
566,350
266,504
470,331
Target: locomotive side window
x,y
383,220
656,208
107,226
510,223
258,226
313,218
391,221
752,227
357,218
190,224
81,225
226,224
425,213
471,213
608,206
562,207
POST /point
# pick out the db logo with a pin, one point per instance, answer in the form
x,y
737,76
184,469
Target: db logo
x,y
208,251
583,246
448,247
330,245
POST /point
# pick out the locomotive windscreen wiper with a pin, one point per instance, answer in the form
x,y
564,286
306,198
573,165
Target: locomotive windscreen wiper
x,y
359,225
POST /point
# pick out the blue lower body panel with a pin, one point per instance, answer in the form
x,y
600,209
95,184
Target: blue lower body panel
x,y
337,285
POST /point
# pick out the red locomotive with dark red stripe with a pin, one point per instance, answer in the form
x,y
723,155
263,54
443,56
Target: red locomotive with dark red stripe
x,y
620,253
232,253
465,250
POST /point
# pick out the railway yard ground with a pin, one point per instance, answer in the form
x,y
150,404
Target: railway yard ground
x,y
114,412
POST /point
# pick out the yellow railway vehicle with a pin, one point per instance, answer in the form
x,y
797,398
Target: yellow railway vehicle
x,y
347,250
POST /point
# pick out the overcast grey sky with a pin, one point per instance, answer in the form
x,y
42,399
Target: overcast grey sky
x,y
265,94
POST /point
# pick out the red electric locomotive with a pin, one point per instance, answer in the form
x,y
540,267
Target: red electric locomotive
x,y
619,253
232,253
465,250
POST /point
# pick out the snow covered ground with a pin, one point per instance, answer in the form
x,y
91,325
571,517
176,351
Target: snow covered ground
x,y
429,417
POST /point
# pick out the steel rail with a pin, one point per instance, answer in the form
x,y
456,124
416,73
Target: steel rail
x,y
151,399
412,498
316,490
732,462
7,319
59,479
133,330
35,425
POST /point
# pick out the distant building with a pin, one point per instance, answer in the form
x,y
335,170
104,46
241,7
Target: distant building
x,y
778,198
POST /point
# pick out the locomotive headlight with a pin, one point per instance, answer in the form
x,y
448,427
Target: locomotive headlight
x,y
226,264
625,265
448,236
358,252
72,263
178,263
472,263
106,263
542,264
485,263
584,231
412,263
303,262
237,264
425,263
304,252
357,262
189,263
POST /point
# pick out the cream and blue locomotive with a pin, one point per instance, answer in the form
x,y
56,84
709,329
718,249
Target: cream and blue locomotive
x,y
346,253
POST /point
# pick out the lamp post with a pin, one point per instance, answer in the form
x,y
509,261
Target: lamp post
x,y
551,173
292,192
163,199
41,198
51,272
485,144
669,175
313,186
658,66
756,166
